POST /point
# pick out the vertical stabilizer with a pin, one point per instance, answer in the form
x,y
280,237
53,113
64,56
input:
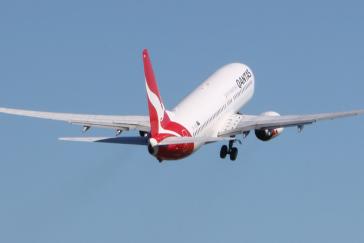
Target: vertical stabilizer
x,y
157,111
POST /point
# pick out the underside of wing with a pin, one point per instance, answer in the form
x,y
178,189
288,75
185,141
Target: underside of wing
x,y
237,124
105,121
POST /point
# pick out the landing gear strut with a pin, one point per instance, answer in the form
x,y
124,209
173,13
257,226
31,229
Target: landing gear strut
x,y
231,150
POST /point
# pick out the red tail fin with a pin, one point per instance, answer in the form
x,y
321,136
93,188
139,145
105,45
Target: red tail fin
x,y
157,111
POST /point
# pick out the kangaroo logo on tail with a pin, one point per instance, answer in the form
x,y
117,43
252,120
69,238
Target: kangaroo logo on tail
x,y
161,126
157,112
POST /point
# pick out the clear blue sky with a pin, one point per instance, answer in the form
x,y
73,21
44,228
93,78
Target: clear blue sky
x,y
85,56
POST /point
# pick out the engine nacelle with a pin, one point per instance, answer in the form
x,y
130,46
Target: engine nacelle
x,y
268,134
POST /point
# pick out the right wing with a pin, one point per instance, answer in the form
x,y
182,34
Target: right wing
x,y
237,124
140,123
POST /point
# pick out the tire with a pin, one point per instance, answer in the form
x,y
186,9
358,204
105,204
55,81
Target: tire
x,y
223,152
233,154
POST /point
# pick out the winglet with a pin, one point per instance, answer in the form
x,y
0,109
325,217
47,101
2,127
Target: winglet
x,y
157,111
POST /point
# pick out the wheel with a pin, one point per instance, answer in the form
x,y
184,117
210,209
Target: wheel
x,y
233,154
223,152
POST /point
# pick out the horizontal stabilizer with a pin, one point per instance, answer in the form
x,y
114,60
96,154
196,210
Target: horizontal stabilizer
x,y
182,140
118,140
144,140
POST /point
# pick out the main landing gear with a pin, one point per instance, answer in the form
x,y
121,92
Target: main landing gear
x,y
229,150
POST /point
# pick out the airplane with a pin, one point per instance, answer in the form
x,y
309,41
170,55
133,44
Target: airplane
x,y
210,113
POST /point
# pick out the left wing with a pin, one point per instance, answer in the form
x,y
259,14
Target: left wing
x,y
140,123
237,124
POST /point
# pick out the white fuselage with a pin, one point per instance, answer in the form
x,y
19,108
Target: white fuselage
x,y
224,93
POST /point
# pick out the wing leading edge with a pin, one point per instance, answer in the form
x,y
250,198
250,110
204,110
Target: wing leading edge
x,y
245,123
140,123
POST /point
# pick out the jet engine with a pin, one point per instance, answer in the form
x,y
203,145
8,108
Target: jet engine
x,y
268,133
